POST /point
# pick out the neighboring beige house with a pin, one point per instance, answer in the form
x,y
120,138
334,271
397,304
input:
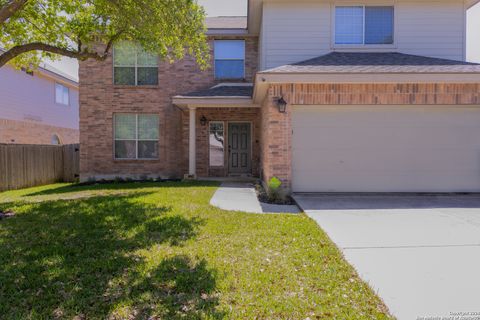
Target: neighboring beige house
x,y
39,107
328,96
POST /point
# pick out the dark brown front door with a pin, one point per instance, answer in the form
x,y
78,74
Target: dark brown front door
x,y
239,148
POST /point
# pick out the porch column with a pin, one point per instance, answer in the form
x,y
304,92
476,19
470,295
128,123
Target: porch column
x,y
192,161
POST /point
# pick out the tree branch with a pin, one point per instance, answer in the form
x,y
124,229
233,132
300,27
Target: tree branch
x,y
34,46
10,9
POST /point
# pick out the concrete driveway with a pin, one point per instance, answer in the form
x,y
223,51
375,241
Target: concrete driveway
x,y
420,253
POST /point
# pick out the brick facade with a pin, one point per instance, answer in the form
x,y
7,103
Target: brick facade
x,y
226,115
100,99
276,139
27,132
380,93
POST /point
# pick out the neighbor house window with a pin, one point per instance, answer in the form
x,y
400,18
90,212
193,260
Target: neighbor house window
x,y
216,144
55,140
229,59
136,136
363,25
61,94
134,66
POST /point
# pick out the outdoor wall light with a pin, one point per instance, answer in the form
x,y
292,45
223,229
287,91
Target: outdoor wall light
x,y
282,105
203,121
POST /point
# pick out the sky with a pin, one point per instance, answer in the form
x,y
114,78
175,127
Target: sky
x,y
216,8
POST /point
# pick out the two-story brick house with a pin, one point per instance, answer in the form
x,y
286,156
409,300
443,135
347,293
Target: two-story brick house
x,y
327,95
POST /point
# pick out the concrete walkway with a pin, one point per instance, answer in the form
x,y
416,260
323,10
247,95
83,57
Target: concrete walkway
x,y
241,196
420,253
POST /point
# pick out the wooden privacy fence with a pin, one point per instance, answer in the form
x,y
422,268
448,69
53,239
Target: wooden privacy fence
x,y
24,166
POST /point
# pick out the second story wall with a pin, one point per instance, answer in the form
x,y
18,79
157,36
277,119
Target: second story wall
x,y
32,98
295,31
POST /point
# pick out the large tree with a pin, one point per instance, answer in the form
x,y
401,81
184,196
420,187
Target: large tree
x,y
87,29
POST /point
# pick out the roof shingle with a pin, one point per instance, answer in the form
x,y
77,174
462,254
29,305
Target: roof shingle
x,y
387,62
223,91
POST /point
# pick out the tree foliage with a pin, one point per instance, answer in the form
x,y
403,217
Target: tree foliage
x,y
87,29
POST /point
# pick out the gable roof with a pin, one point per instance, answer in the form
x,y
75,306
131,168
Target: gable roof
x,y
376,62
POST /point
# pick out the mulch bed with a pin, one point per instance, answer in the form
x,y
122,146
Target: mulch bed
x,y
263,196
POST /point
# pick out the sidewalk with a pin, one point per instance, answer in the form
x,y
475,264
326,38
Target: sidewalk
x,y
241,196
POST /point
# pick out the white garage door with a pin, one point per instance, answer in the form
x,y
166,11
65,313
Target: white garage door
x,y
386,149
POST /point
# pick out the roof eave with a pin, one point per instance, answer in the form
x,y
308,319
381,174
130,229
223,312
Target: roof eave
x,y
213,101
471,3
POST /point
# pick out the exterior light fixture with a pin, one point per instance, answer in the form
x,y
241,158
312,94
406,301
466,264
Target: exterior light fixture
x,y
282,105
203,121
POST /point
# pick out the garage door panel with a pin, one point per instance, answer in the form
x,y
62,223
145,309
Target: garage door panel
x,y
366,182
368,136
366,149
414,160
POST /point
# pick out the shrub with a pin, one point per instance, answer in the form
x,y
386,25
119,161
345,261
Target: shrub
x,y
274,190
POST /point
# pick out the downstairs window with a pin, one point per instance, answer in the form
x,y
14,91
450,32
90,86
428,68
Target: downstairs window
x,y
136,136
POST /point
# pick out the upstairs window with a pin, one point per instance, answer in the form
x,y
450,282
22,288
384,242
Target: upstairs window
x,y
364,25
62,94
134,66
229,59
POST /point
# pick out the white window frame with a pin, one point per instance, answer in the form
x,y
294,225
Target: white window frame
x,y
135,66
136,137
224,143
363,46
244,59
55,93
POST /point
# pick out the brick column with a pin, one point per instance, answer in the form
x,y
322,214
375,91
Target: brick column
x,y
276,142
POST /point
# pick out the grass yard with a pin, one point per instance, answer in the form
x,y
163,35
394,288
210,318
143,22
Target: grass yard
x,y
160,251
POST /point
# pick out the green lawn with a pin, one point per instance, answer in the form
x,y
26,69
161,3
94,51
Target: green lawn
x,y
160,251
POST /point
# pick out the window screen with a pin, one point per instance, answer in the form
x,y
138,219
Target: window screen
x,y
378,25
136,136
62,94
364,25
229,59
349,25
134,66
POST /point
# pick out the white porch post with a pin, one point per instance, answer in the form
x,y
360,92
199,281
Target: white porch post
x,y
192,161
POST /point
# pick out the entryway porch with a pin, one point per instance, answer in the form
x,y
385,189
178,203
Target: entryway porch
x,y
222,130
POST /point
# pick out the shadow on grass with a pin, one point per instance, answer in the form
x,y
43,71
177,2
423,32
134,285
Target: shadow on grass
x,y
185,289
62,259
122,186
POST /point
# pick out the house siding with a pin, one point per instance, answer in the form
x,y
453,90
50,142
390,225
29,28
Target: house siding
x,y
28,112
292,32
25,97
